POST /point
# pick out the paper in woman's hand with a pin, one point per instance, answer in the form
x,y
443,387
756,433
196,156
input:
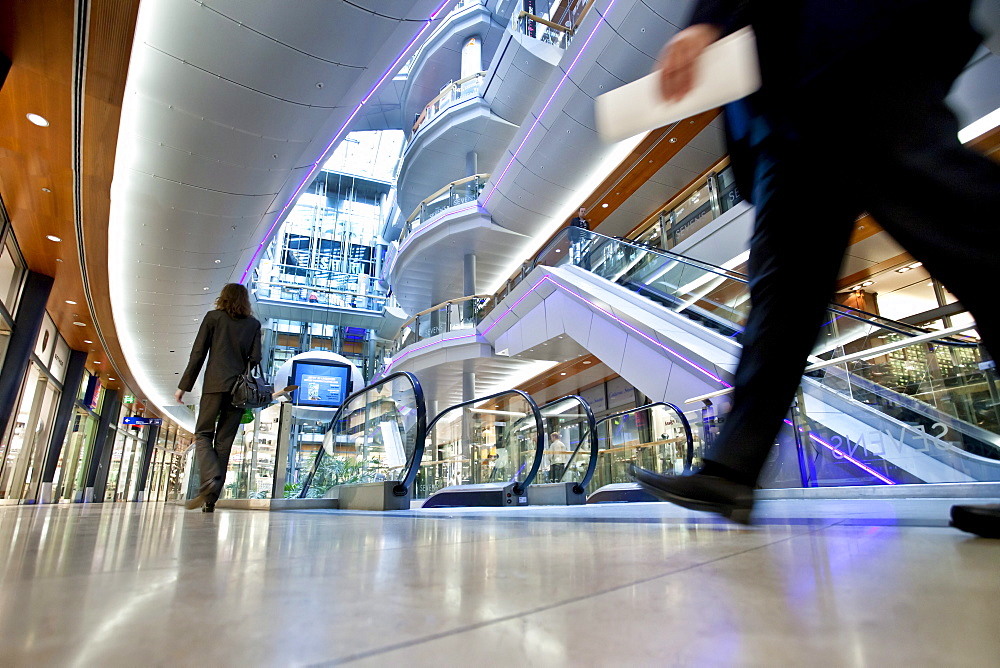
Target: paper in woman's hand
x,y
727,70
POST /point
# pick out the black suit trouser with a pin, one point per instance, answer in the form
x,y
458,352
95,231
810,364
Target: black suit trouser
x,y
889,149
216,428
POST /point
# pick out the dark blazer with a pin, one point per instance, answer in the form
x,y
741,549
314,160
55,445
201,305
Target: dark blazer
x,y
228,343
799,40
838,46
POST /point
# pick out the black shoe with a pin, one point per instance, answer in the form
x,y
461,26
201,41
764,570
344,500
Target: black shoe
x,y
208,508
698,491
981,520
195,502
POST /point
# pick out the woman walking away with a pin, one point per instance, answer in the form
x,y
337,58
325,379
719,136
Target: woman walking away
x,y
230,337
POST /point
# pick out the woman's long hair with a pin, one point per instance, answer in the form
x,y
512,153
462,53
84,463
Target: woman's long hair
x,y
234,300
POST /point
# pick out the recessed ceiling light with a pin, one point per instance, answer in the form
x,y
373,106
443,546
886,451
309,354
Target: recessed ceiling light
x,y
586,361
218,261
70,301
604,206
110,378
563,373
38,120
903,270
87,341
58,259
46,190
97,361
80,324
52,237
205,288
867,283
914,265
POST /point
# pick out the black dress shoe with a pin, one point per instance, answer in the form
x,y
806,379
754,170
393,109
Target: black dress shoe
x,y
195,502
208,508
981,520
698,491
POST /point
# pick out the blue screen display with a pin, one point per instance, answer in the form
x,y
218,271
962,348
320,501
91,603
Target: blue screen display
x,y
321,384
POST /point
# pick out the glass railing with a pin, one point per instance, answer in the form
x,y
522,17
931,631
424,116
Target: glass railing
x,y
450,95
454,194
317,287
542,29
570,442
454,315
498,438
657,437
940,378
375,436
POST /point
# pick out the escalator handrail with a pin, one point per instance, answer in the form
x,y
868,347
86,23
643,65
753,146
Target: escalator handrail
x,y
688,436
539,441
841,309
579,487
402,486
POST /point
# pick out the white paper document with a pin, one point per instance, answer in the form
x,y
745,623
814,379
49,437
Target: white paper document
x,y
727,70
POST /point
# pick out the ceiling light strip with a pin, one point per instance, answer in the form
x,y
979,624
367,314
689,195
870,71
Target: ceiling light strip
x,y
81,36
316,166
555,92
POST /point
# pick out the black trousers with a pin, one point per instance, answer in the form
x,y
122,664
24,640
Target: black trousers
x,y
215,432
891,149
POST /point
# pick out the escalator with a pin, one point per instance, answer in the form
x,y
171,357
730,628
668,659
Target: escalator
x,y
502,450
906,405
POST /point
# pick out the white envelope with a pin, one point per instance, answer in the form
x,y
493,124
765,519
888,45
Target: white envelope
x,y
727,70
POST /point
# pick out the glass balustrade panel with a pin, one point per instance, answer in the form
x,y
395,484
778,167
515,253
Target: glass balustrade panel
x,y
489,441
650,437
567,442
373,438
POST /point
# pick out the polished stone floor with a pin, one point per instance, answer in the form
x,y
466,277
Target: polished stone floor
x,y
817,583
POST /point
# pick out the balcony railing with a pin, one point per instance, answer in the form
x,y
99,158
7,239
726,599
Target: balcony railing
x,y
322,288
453,315
450,95
542,29
455,193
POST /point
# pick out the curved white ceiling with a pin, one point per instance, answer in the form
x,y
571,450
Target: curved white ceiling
x,y
230,107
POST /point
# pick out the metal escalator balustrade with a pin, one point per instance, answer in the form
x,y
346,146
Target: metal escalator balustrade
x,y
656,436
482,452
941,381
376,436
569,455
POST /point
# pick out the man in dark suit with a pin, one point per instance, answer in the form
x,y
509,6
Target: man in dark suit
x,y
850,118
229,337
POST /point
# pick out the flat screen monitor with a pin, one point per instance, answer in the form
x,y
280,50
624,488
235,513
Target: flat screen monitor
x,y
322,384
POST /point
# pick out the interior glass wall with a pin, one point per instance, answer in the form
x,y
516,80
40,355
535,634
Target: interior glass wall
x,y
28,440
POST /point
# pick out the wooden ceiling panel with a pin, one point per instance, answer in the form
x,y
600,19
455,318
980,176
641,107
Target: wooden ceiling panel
x,y
36,163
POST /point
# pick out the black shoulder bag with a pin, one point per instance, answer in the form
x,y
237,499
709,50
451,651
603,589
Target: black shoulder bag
x,y
252,391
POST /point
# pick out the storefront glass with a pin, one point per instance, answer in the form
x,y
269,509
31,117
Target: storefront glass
x,y
21,468
76,455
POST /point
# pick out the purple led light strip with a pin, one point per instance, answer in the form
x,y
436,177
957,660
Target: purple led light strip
x,y
428,345
427,225
846,456
555,92
336,137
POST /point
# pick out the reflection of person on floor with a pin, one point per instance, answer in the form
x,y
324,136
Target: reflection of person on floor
x,y
900,160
